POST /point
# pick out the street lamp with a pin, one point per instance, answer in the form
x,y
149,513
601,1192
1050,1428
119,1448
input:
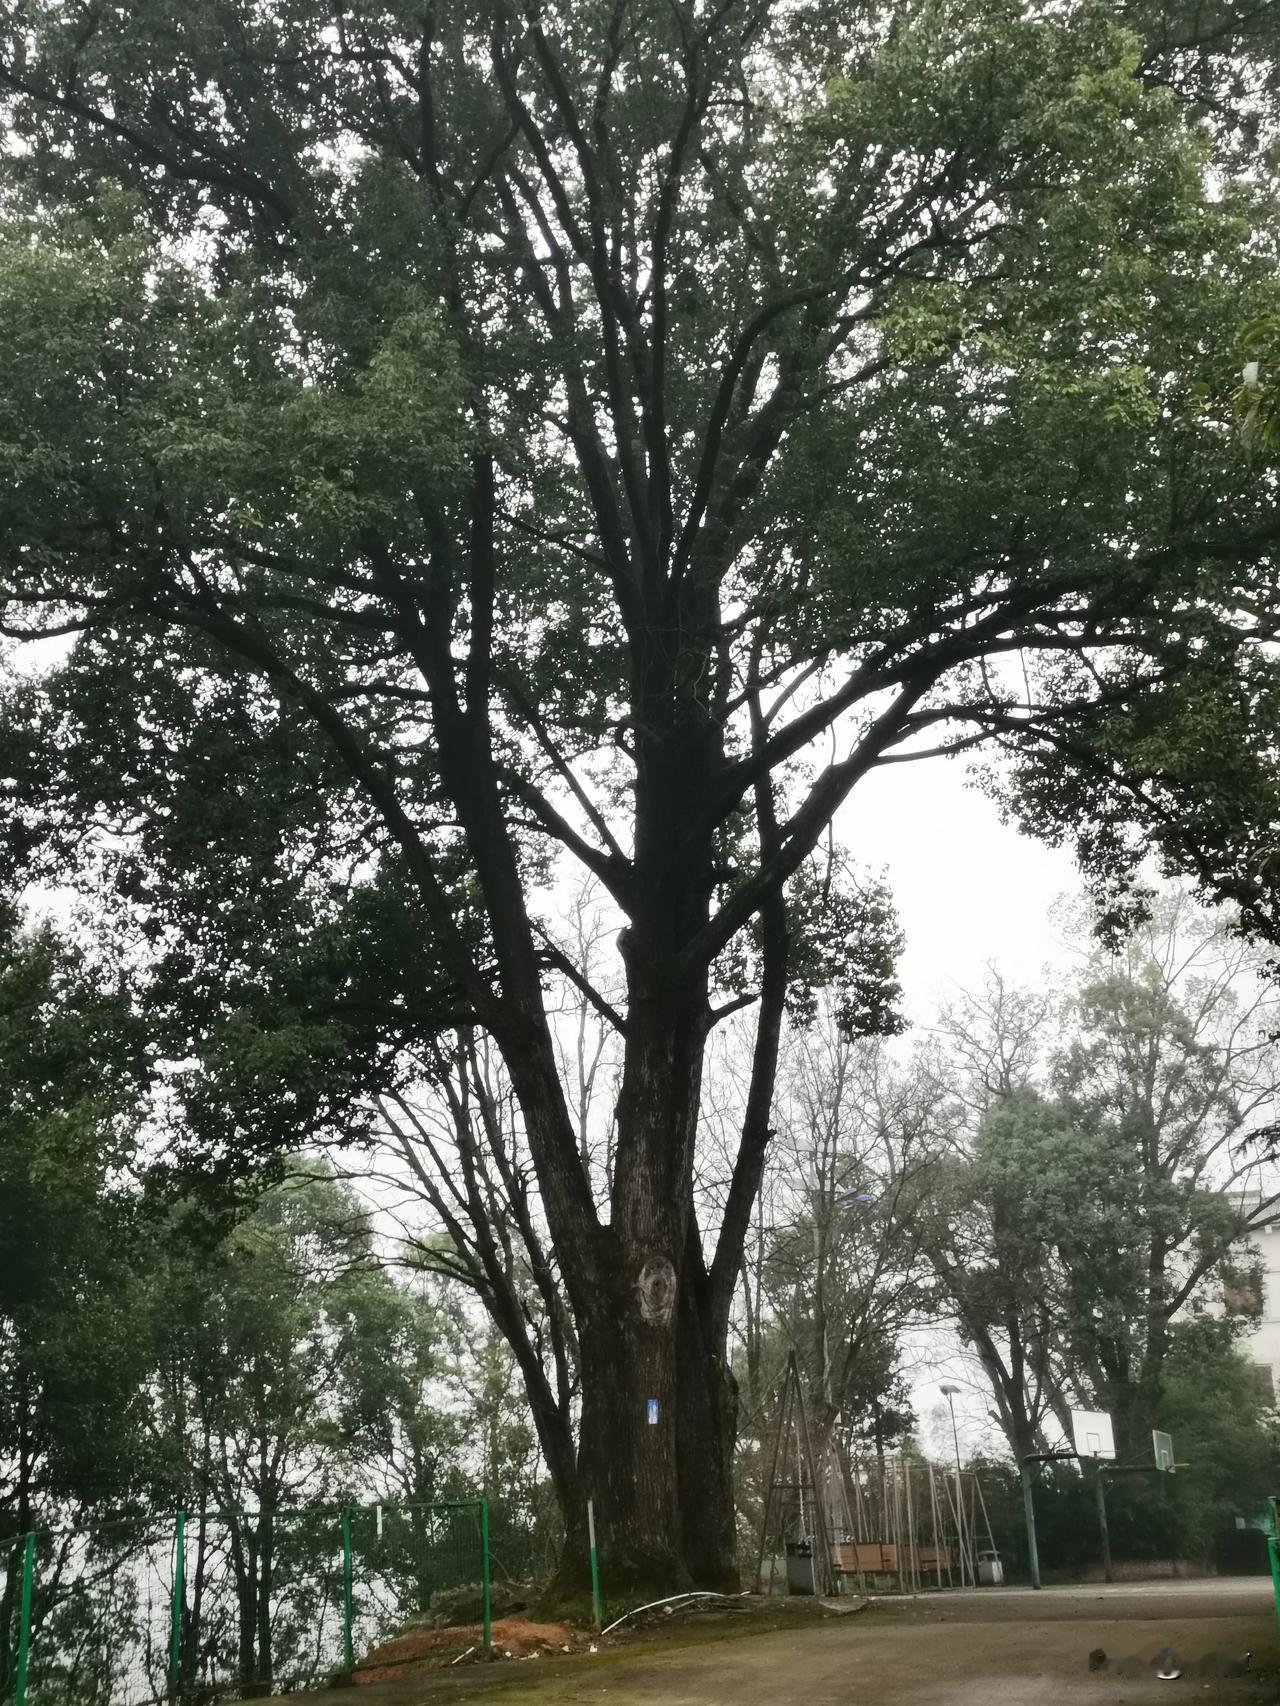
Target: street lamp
x,y
949,1392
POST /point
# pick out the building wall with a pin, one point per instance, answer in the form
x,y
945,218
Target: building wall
x,y
1262,1344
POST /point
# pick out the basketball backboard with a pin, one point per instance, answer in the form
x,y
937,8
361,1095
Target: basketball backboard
x,y
1091,1434
1163,1444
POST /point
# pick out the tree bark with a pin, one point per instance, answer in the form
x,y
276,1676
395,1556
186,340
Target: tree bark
x,y
707,1433
628,1462
661,1479
658,1401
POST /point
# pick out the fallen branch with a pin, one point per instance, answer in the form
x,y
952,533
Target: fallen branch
x,y
674,1599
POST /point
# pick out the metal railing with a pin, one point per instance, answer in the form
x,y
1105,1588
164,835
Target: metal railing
x,y
202,1606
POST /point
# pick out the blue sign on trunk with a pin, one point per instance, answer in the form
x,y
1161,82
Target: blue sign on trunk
x,y
653,1411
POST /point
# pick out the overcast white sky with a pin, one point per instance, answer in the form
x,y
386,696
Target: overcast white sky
x,y
968,888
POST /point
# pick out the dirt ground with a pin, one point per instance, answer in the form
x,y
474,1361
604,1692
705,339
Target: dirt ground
x,y
997,1648
513,1637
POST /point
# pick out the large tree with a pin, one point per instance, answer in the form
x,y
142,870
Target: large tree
x,y
472,441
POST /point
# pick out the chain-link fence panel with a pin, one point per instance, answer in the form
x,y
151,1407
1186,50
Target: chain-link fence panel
x,y
225,1605
100,1620
403,1555
262,1603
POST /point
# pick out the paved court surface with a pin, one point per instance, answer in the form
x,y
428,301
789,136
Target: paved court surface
x,y
1009,1647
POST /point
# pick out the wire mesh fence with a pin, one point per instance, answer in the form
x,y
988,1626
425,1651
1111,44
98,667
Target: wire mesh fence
x,y
15,1619
84,1614
525,1544
402,1556
262,1603
224,1605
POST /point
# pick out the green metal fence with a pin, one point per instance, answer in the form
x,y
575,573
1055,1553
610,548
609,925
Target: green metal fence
x,y
223,1605
84,1614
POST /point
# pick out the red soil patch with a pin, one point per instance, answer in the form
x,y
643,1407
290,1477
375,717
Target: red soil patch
x,y
512,1638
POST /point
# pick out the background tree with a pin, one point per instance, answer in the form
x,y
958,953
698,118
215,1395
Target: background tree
x,y
1226,1424
842,1266
72,1071
1171,1063
528,440
457,1153
274,1348
1001,1216
1116,1164
240,1360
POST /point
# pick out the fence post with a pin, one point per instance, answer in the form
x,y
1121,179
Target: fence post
x,y
595,1566
486,1586
348,1648
175,1615
24,1621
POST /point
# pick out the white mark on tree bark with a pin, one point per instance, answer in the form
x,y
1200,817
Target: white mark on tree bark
x,y
657,1290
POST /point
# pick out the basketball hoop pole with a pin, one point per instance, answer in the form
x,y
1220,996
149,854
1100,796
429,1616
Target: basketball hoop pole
x,y
1029,1515
1029,1507
1100,1493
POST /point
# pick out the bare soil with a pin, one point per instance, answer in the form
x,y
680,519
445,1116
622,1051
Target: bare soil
x,y
985,1648
513,1638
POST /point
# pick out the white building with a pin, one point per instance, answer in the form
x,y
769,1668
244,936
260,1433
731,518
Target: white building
x,y
1262,1343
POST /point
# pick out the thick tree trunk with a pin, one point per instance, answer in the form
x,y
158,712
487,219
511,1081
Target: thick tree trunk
x,y
628,1449
1135,1407
658,1404
659,1422
707,1433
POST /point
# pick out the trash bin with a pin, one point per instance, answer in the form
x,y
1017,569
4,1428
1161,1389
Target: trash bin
x,y
800,1566
990,1569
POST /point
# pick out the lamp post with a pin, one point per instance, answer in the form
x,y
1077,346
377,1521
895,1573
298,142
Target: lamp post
x,y
949,1393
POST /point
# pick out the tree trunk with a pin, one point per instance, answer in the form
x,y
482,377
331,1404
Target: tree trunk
x,y
193,1611
244,1563
658,1402
707,1434
8,1616
659,1423
627,1457
266,1565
